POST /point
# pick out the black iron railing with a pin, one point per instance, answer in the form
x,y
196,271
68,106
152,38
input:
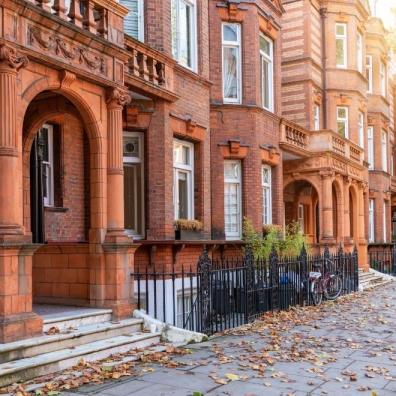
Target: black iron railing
x,y
224,293
382,258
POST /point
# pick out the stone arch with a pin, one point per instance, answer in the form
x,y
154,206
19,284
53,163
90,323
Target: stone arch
x,y
353,210
338,199
97,164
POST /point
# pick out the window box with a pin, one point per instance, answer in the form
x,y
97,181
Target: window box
x,y
188,230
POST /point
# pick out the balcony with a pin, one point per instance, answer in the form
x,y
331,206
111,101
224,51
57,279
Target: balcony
x,y
299,143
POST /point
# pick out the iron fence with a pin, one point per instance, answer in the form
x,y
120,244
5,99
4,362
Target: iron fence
x,y
382,258
224,293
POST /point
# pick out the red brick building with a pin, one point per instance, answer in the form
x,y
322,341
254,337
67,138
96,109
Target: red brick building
x,y
120,120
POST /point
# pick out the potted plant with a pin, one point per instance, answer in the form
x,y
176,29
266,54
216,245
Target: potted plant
x,y
188,230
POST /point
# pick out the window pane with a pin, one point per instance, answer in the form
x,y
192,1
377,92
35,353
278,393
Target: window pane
x,y
231,207
340,29
265,46
230,32
341,111
174,28
340,56
341,128
131,147
185,34
266,83
230,72
182,181
43,135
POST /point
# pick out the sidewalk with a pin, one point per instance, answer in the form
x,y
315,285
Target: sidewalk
x,y
343,348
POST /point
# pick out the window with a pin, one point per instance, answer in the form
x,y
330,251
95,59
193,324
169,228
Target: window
x,y
301,217
371,221
46,139
184,40
316,117
341,45
231,62
184,307
133,184
369,73
183,184
384,221
384,151
342,121
134,20
232,200
361,129
383,78
267,194
359,52
392,166
370,147
267,79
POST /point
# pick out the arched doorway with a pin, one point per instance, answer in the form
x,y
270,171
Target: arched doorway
x,y
57,181
302,205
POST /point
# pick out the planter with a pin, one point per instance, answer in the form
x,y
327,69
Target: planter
x,y
188,235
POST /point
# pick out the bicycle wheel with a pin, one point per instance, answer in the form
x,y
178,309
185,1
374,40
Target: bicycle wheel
x,y
333,287
316,291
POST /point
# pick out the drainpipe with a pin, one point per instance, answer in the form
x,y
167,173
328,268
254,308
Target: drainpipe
x,y
323,16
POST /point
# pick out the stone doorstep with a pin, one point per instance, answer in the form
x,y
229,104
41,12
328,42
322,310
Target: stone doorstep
x,y
47,363
50,343
76,319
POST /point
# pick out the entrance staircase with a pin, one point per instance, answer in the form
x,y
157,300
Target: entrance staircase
x,y
371,279
70,336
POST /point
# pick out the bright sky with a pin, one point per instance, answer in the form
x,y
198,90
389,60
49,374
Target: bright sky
x,y
383,11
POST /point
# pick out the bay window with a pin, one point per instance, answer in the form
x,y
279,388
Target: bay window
x,y
231,47
369,73
134,20
183,179
384,151
361,129
371,220
133,184
370,147
267,194
184,37
232,200
267,79
341,45
342,121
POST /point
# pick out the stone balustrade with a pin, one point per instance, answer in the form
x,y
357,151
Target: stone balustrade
x,y
294,135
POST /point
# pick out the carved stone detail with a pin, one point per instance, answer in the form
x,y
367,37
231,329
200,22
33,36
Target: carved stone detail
x,y
67,78
118,97
10,56
52,42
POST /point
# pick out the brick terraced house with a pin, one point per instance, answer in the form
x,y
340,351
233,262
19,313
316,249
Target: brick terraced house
x,y
120,118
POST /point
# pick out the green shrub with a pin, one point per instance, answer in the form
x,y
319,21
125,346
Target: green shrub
x,y
287,241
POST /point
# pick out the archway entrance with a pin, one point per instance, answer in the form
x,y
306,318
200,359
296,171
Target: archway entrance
x,y
302,206
57,188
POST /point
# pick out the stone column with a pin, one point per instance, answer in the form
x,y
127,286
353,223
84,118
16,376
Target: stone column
x,y
347,225
16,318
327,207
361,231
115,290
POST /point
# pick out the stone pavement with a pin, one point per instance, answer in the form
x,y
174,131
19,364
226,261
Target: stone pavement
x,y
342,348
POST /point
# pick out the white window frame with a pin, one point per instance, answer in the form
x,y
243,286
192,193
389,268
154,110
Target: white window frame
x,y
359,52
137,160
238,182
383,73
384,150
344,120
267,194
301,217
188,169
187,305
361,129
371,235
193,38
370,147
140,18
316,117
384,222
344,39
269,59
49,165
237,45
369,73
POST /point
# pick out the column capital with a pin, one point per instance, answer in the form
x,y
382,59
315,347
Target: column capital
x,y
326,174
10,57
117,98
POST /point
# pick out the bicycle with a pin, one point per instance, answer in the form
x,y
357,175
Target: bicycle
x,y
328,285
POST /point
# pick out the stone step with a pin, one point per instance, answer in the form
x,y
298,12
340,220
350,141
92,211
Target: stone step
x,y
370,285
67,339
52,362
77,318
